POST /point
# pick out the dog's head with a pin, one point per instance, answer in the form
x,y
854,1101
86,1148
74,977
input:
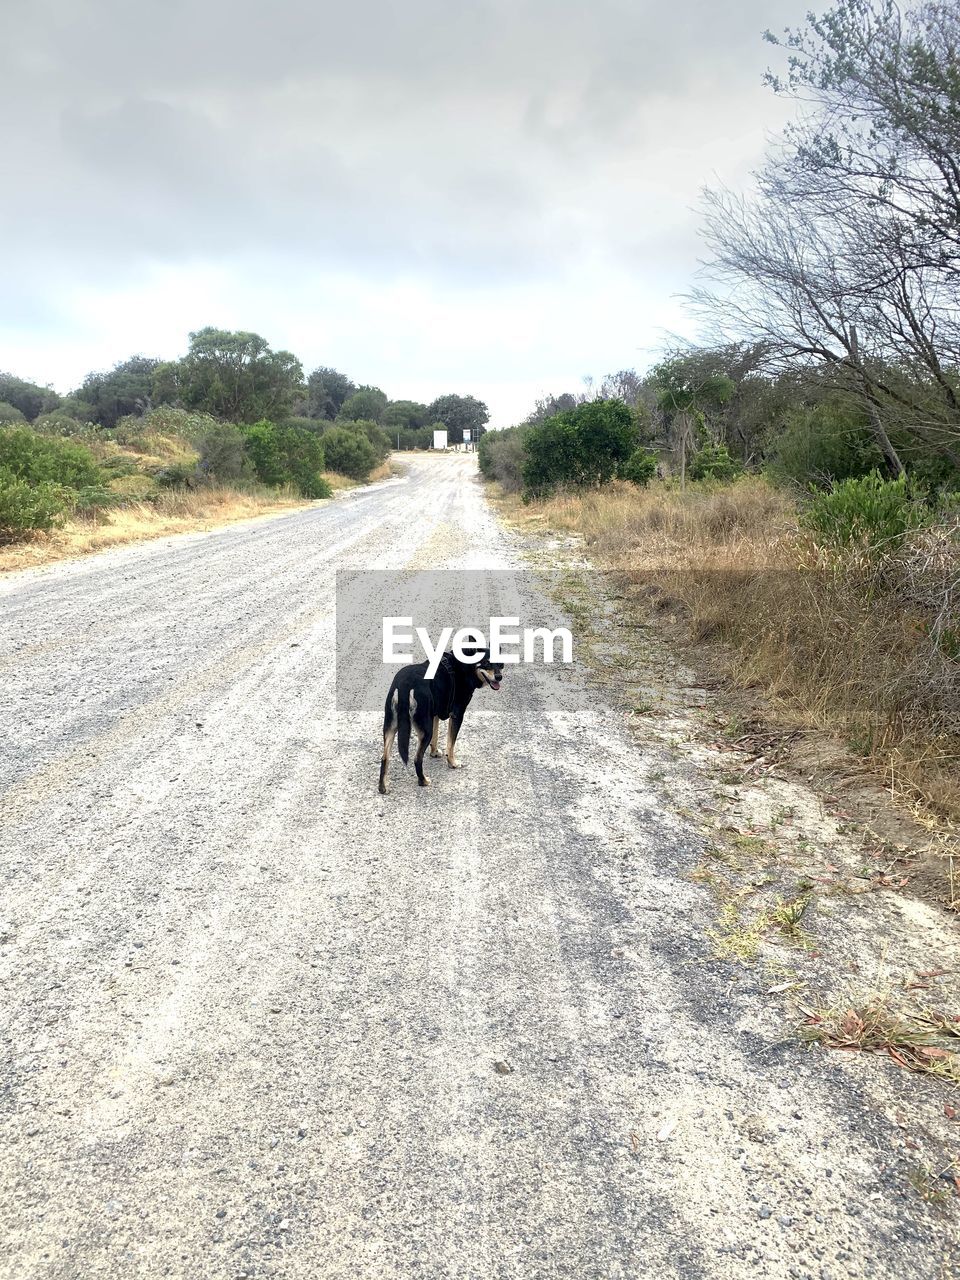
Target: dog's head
x,y
488,674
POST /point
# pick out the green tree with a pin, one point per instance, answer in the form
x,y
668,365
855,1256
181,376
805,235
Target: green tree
x,y
459,414
10,414
238,377
125,389
327,389
28,397
405,415
367,404
688,393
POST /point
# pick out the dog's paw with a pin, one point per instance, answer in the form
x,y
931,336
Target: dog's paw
x,y
383,788
424,782
454,764
433,754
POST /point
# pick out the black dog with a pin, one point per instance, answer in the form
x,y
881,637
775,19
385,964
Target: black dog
x,y
418,701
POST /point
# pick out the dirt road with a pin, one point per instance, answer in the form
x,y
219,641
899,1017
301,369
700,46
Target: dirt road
x,y
262,1021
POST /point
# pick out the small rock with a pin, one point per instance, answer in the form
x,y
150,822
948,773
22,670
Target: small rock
x,y
503,1068
764,1212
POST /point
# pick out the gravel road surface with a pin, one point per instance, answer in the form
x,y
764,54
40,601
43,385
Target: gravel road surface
x,y
259,1020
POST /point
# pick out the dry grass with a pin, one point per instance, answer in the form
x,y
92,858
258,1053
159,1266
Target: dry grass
x,y
926,1043
834,646
383,472
177,511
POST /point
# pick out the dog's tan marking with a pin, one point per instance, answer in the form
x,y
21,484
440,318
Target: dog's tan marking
x,y
436,735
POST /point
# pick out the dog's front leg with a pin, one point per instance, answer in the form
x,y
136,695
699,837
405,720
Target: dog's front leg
x,y
436,734
453,728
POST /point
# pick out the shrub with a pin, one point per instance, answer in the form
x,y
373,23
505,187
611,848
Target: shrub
x,y
222,453
10,414
582,446
164,420
868,512
378,438
25,507
823,443
178,475
713,462
304,457
38,459
501,457
265,450
413,438
58,423
640,467
349,452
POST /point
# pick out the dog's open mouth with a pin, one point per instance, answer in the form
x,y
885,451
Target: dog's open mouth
x,y
494,684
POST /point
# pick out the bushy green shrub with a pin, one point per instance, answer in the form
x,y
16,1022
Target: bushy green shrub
x,y
25,507
222,453
37,459
10,414
822,443
713,462
349,452
500,456
378,438
304,458
412,438
582,446
266,453
867,512
640,467
58,423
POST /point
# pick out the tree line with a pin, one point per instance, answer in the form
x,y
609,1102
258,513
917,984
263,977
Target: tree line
x,y
231,412
832,297
237,377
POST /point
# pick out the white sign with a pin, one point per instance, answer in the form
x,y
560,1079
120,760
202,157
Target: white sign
x,y
439,439
466,435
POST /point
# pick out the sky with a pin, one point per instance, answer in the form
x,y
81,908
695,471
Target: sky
x,y
492,197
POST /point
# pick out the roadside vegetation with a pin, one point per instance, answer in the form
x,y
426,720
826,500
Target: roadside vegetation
x,y
792,490
230,430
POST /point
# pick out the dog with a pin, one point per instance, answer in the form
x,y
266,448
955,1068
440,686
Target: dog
x,y
417,703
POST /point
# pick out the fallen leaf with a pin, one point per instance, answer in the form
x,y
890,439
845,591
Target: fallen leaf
x,y
666,1130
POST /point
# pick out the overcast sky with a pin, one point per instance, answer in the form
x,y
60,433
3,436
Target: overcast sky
x,y
493,197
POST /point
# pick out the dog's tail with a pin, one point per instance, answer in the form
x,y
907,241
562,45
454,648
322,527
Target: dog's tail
x,y
403,728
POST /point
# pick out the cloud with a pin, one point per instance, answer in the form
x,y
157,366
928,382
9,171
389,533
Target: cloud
x,y
303,165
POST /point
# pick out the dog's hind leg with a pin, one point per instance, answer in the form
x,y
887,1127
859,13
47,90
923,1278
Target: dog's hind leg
x,y
389,733
436,734
423,737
